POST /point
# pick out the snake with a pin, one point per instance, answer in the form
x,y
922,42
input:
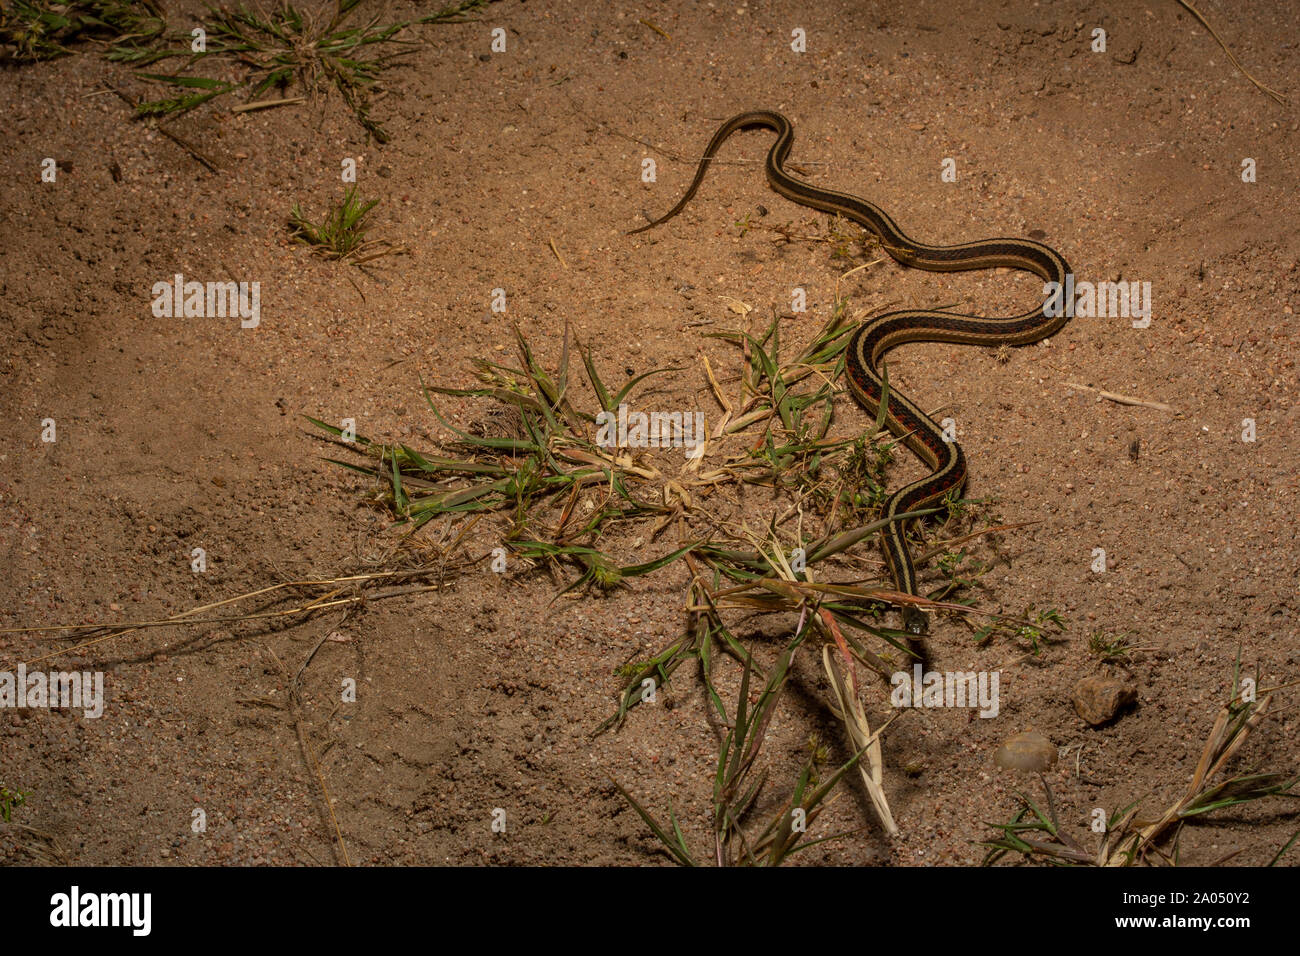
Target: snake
x,y
876,336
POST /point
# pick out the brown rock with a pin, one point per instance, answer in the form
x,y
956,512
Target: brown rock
x,y
1030,751
1099,699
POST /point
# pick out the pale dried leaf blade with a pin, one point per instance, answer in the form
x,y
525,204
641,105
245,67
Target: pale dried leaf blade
x,y
848,709
1220,746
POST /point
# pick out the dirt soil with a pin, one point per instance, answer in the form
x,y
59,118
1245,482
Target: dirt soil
x,y
183,433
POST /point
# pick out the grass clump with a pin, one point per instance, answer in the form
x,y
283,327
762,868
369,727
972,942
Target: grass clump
x,y
555,486
738,785
1113,648
292,45
254,49
1034,628
532,465
342,234
10,800
32,30
559,492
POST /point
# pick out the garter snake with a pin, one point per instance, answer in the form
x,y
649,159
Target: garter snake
x,y
875,337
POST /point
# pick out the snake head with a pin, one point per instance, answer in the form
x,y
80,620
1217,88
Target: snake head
x,y
914,621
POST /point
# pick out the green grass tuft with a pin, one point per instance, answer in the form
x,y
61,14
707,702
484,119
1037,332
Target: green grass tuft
x,y
32,30
342,233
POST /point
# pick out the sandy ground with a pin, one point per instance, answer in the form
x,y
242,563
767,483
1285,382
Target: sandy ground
x,y
180,433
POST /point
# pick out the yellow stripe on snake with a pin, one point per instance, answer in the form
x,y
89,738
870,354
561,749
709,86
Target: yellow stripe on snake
x,y
877,336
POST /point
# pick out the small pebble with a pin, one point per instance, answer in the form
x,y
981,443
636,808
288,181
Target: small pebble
x,y
1030,751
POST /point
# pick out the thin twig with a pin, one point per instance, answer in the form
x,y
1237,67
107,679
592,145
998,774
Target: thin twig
x,y
267,104
309,752
652,26
185,617
557,253
1272,93
1122,399
178,140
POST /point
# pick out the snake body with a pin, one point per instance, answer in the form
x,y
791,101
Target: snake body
x,y
877,336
